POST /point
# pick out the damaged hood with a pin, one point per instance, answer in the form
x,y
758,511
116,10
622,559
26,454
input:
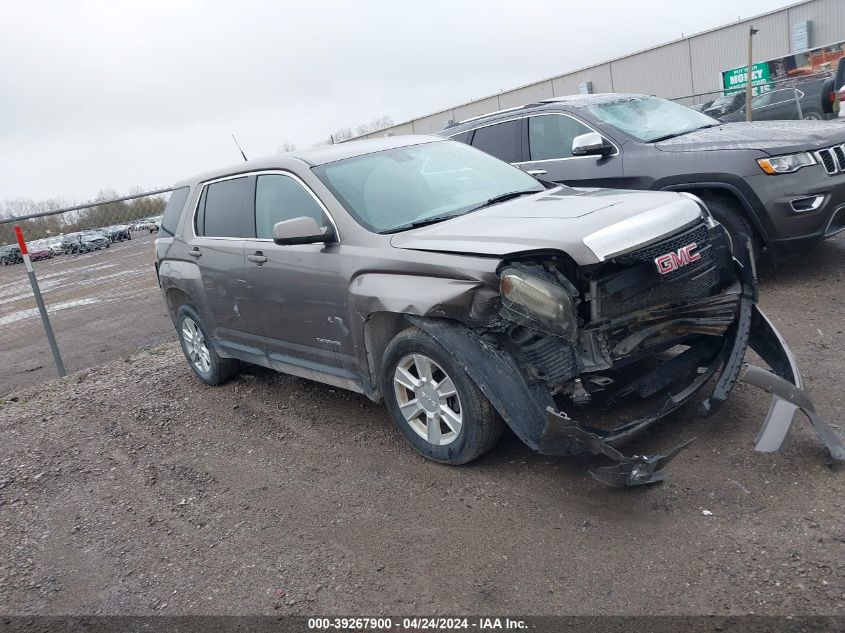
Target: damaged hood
x,y
772,137
589,225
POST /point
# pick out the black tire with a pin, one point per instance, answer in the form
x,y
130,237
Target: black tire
x,y
813,115
219,369
730,214
481,426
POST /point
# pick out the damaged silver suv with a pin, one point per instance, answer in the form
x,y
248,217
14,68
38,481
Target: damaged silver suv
x,y
468,295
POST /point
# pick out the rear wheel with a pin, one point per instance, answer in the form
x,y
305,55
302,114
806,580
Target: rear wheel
x,y
433,401
198,349
812,116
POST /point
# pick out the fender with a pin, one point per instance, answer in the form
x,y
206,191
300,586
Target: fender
x,y
184,276
756,212
521,404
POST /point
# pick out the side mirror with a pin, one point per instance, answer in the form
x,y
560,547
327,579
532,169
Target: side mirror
x,y
302,230
591,144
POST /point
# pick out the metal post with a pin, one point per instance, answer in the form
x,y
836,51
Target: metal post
x,y
798,104
749,88
39,300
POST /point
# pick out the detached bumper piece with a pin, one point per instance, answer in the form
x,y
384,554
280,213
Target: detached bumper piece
x,y
627,472
784,382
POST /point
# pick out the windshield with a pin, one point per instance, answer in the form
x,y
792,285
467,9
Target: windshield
x,y
723,101
651,119
391,190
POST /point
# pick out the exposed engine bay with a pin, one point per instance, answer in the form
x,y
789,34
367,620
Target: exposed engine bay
x,y
622,344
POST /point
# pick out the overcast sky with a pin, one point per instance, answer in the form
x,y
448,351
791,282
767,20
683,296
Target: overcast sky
x,y
110,95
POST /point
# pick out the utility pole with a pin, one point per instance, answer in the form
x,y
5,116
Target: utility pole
x,y
749,89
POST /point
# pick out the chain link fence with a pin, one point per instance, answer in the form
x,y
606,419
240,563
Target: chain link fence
x,y
95,268
810,97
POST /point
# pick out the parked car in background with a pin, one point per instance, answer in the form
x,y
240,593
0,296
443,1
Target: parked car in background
x,y
811,100
73,244
154,224
55,244
463,293
118,232
781,182
701,107
38,249
725,105
10,254
95,240
840,100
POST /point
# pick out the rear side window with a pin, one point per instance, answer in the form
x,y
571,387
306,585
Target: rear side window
x,y
550,136
501,140
279,198
224,209
173,210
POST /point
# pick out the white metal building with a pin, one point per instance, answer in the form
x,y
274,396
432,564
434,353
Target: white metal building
x,y
684,67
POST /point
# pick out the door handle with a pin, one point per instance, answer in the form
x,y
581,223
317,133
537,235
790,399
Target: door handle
x,y
195,252
258,257
536,172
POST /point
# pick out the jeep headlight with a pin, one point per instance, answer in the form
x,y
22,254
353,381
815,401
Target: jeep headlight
x,y
538,303
786,164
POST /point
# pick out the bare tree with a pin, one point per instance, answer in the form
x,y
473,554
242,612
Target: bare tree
x,y
287,146
346,133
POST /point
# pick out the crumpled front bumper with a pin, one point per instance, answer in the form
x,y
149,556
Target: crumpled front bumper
x,y
783,381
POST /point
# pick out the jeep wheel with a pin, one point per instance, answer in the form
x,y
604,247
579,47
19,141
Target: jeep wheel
x,y
433,401
207,365
813,116
730,215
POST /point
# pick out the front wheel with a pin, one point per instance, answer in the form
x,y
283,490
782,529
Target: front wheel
x,y
435,404
198,349
731,215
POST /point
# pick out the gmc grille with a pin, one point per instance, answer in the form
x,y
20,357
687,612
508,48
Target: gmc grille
x,y
635,284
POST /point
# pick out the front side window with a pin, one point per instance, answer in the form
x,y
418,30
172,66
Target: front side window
x,y
550,136
650,119
224,209
279,198
394,189
502,140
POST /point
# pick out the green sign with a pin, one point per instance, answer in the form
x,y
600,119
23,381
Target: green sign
x,y
736,79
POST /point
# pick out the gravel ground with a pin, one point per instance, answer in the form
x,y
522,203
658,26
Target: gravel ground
x,y
94,301
131,488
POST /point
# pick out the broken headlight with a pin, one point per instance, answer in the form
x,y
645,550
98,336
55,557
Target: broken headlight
x,y
538,303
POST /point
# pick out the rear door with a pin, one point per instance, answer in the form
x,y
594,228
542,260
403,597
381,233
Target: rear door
x,y
549,141
222,222
503,140
297,295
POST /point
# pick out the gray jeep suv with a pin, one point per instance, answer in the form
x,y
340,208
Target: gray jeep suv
x,y
780,182
463,293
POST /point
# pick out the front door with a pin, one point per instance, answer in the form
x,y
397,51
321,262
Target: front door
x,y
297,298
550,156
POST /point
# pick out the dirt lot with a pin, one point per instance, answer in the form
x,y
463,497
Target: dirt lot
x,y
103,305
131,488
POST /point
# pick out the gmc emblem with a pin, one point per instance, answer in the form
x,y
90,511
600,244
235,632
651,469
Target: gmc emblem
x,y
674,260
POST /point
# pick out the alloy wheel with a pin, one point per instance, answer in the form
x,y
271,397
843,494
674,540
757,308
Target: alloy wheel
x,y
428,399
198,353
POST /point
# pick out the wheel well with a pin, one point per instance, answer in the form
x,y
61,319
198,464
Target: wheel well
x,y
379,329
176,299
726,195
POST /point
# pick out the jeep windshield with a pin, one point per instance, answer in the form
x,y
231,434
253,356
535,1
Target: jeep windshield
x,y
403,188
651,119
